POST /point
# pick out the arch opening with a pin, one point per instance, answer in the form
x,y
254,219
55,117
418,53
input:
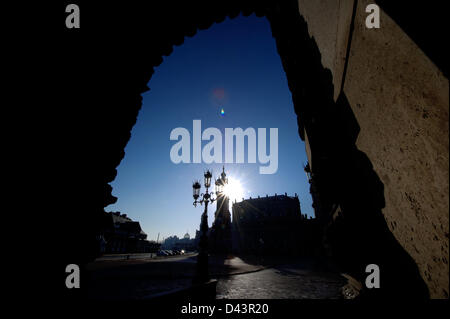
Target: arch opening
x,y
348,194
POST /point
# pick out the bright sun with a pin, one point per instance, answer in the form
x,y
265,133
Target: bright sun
x,y
234,189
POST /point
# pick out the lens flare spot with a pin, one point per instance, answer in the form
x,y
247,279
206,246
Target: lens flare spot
x,y
222,112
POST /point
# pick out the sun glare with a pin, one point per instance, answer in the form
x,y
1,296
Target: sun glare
x,y
234,190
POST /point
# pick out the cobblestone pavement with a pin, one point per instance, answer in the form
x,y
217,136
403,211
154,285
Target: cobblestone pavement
x,y
283,282
245,278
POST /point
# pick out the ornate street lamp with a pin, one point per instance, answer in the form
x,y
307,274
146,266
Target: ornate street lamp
x,y
202,274
208,176
196,187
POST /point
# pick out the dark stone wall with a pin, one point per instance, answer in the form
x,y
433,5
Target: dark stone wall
x,y
342,174
94,96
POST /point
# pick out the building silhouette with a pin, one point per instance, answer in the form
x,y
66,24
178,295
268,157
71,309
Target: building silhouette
x,y
174,242
220,232
273,225
123,235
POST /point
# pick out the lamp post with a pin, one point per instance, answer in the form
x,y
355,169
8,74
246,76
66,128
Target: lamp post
x,y
202,274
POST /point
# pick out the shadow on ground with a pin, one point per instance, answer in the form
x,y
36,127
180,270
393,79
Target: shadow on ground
x,y
138,279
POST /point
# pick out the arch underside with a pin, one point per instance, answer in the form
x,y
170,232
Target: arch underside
x,y
116,64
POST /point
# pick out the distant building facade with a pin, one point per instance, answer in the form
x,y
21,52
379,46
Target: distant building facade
x,y
123,235
273,225
174,242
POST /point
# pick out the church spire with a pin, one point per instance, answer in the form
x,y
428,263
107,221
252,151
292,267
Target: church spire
x,y
224,176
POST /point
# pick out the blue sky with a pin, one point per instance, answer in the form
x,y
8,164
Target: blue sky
x,y
233,65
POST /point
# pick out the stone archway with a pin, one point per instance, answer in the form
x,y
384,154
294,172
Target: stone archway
x,y
105,96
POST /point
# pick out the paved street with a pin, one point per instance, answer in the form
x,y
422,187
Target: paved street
x,y
284,282
246,277
126,256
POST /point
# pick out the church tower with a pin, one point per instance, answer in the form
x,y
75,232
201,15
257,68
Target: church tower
x,y
220,236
